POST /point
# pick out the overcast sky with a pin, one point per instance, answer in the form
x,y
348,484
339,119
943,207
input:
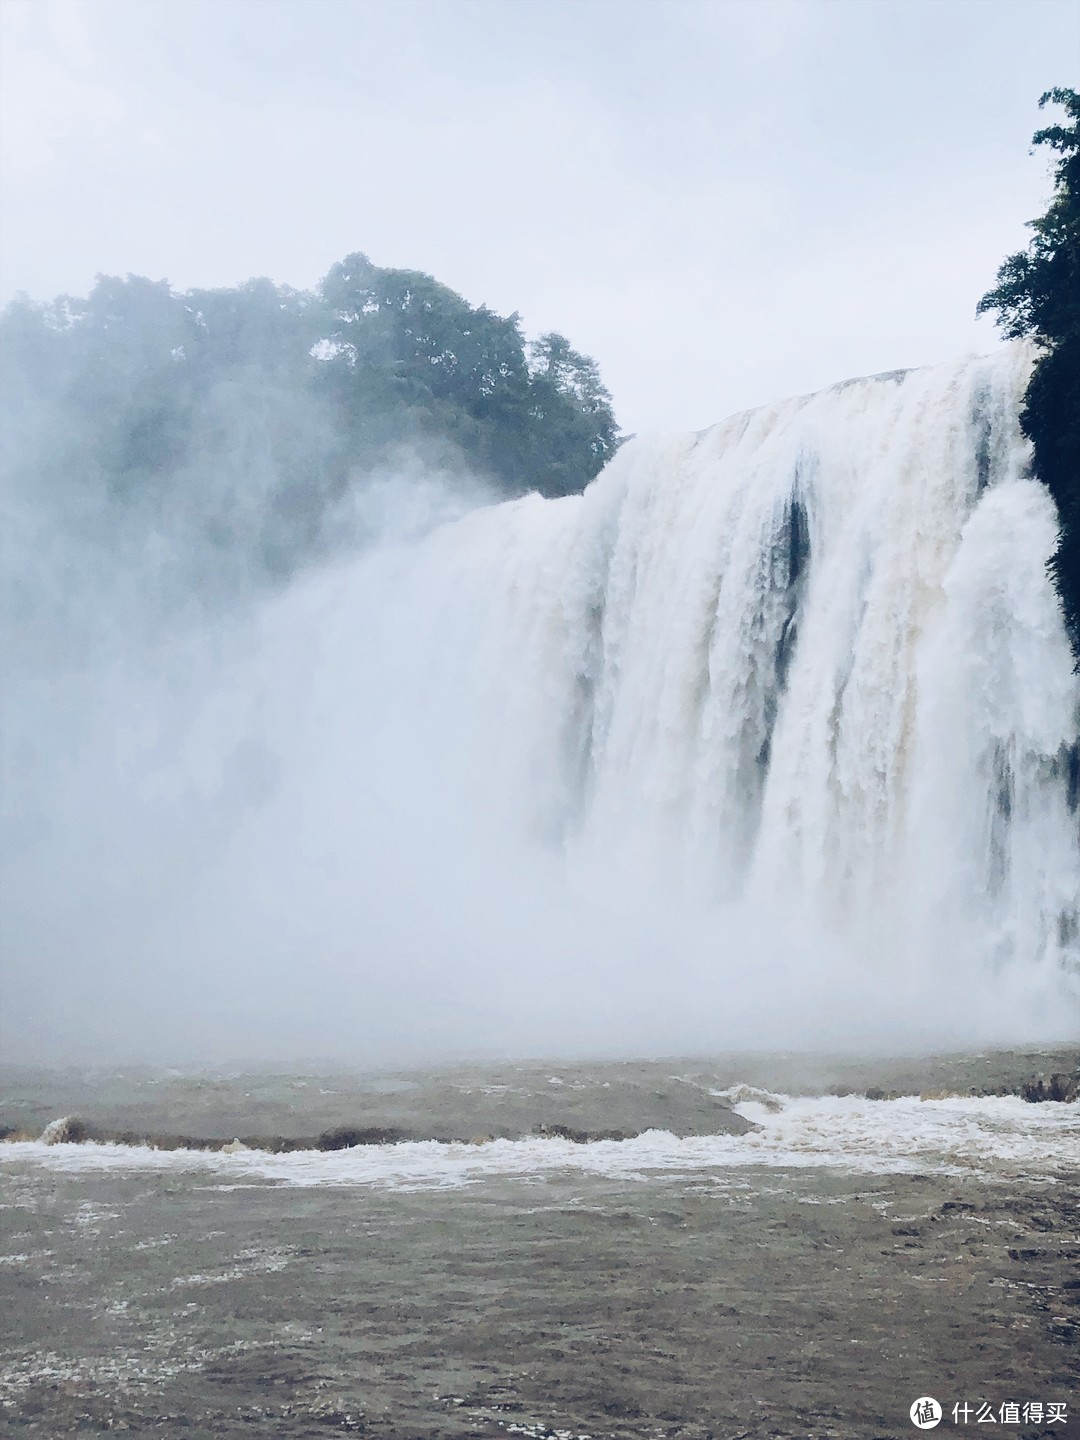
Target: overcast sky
x,y
723,202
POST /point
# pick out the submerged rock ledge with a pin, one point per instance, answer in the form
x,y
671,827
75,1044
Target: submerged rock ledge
x,y
73,1130
328,1109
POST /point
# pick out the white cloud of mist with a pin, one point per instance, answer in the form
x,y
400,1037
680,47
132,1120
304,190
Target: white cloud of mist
x,y
295,831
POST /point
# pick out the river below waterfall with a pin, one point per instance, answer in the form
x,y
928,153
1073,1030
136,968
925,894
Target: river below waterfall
x,y
810,1276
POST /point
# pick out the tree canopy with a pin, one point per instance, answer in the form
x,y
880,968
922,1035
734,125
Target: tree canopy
x,y
1037,295
243,417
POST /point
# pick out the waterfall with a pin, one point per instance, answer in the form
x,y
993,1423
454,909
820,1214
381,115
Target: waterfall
x,y
809,658
768,738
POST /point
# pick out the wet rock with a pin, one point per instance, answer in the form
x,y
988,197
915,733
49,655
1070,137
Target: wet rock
x,y
346,1136
561,1132
1063,1088
67,1130
580,1137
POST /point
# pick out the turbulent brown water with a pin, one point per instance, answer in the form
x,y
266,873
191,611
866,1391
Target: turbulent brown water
x,y
807,1277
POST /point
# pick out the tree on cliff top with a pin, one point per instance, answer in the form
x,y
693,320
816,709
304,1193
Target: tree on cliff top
x,y
225,428
1038,296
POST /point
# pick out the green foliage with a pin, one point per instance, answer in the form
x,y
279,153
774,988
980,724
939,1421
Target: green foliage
x,y
1038,296
571,406
405,353
235,421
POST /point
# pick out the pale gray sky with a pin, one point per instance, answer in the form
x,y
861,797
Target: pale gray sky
x,y
722,200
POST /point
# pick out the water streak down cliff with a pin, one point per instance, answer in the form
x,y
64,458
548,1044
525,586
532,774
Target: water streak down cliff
x,y
809,657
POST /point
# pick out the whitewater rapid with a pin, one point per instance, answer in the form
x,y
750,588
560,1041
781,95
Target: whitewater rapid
x,y
992,1138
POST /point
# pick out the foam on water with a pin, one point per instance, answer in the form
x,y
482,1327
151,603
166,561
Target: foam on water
x,y
994,1138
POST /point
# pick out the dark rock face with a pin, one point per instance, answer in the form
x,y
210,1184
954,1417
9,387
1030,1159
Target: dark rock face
x,y
346,1136
1062,1087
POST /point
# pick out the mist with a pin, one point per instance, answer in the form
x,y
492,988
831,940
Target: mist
x,y
517,778
180,878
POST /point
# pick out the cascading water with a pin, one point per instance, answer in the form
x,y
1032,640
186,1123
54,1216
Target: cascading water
x,y
810,658
768,738
802,653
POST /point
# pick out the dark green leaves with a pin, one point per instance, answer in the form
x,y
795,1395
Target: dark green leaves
x,y
1037,296
235,421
